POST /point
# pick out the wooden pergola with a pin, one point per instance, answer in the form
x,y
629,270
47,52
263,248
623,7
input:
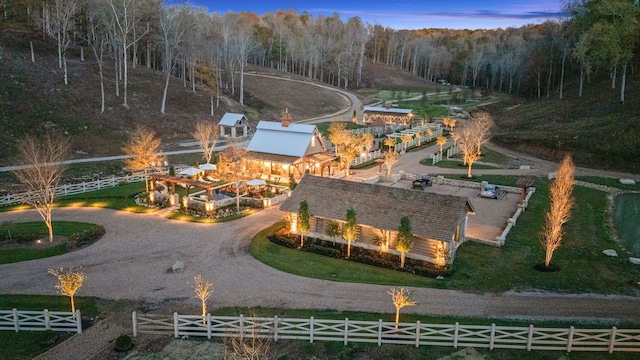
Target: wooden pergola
x,y
187,182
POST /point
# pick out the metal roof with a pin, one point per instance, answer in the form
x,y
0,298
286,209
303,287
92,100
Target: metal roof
x,y
390,110
231,119
273,138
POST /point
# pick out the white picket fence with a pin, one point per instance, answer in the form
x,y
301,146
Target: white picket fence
x,y
40,320
367,157
380,332
72,189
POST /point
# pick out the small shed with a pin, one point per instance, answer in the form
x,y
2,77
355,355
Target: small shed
x,y
234,125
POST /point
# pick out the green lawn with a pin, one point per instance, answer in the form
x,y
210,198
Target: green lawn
x,y
32,230
485,268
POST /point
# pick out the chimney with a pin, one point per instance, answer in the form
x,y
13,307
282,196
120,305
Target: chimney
x,y
286,118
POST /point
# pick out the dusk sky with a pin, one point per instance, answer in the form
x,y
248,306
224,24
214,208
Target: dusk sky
x,y
415,14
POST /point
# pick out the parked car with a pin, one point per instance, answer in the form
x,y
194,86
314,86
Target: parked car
x,y
491,192
421,183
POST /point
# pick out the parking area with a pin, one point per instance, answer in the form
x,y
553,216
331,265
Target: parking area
x,y
491,214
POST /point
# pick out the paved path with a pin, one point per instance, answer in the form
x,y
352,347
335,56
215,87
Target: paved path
x,y
132,261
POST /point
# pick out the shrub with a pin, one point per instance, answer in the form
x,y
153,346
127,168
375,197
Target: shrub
x,y
85,237
123,343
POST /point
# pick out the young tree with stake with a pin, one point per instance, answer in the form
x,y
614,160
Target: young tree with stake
x,y
203,290
302,223
350,230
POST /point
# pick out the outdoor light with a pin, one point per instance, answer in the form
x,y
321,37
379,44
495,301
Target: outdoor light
x,y
209,206
152,197
185,201
172,200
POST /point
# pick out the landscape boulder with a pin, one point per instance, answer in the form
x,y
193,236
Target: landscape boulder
x,y
610,252
627,181
178,266
634,260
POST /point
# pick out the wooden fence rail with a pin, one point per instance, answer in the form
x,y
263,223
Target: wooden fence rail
x,y
379,332
72,189
40,320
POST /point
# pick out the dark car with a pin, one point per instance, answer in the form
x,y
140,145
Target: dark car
x,y
421,183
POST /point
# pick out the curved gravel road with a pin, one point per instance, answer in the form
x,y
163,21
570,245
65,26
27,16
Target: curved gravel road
x,y
133,259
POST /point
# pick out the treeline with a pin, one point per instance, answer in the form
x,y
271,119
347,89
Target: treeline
x,y
212,49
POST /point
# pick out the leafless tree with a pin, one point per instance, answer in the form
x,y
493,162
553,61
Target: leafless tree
x,y
232,161
143,149
98,37
43,169
400,299
203,290
206,134
560,211
173,24
62,13
126,13
69,281
390,158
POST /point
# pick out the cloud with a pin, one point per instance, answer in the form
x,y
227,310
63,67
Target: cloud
x,y
430,15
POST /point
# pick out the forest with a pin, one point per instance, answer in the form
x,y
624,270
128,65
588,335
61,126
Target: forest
x,y
554,60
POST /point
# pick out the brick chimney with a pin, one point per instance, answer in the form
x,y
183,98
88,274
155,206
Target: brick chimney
x,y
286,118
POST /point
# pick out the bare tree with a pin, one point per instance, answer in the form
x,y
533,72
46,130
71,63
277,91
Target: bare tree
x,y
560,211
390,158
206,134
203,290
173,25
232,160
482,125
125,15
42,173
400,299
98,38
62,19
468,148
143,150
69,281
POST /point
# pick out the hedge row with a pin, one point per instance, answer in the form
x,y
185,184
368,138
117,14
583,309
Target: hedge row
x,y
361,255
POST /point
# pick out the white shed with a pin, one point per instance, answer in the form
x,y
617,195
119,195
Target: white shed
x,y
234,125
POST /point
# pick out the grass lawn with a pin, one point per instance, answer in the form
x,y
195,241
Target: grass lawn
x,y
38,229
453,164
485,268
29,344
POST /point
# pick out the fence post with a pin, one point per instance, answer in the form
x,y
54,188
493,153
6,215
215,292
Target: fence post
x,y
346,331
241,326
612,342
84,187
47,320
134,321
530,338
311,330
16,320
379,332
455,335
493,336
275,328
175,325
209,326
570,338
418,333
78,322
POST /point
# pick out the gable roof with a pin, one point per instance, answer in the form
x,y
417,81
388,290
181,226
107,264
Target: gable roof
x,y
231,119
432,216
273,138
385,110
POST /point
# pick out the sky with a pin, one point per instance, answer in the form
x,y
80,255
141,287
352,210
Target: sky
x,y
413,14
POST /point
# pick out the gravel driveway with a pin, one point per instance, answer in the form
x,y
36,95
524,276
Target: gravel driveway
x,y
132,261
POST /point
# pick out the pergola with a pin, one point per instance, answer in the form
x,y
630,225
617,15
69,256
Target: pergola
x,y
187,182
